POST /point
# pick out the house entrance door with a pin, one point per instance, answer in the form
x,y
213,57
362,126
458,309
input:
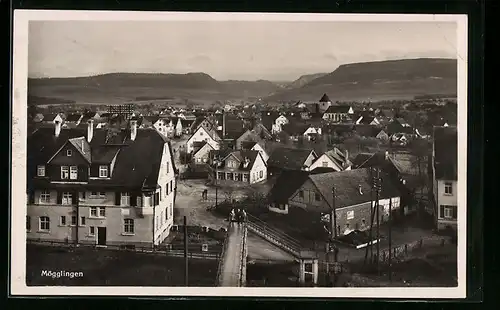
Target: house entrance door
x,y
101,235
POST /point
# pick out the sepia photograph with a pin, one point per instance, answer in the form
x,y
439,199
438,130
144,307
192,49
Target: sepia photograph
x,y
238,154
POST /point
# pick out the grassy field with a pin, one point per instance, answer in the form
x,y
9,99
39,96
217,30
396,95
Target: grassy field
x,y
103,267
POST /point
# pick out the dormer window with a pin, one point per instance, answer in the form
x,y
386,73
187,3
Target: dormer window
x,y
40,171
69,152
103,171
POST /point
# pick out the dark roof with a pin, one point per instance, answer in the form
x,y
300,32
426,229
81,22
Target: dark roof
x,y
361,158
187,122
234,128
295,129
445,153
338,109
325,98
48,117
150,119
289,158
286,184
366,120
347,186
367,130
247,145
73,118
137,163
336,128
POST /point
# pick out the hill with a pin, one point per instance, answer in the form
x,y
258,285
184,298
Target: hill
x,y
394,79
120,87
304,79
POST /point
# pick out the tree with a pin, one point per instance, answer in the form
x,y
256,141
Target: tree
x,y
32,112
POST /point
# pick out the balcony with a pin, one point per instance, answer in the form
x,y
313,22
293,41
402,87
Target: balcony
x,y
145,205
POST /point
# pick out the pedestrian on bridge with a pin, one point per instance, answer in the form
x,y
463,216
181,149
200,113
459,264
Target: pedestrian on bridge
x,y
232,216
243,216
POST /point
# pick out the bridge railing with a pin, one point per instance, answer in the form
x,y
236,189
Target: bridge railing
x,y
274,235
221,259
243,258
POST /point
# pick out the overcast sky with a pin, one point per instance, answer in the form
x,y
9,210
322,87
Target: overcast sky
x,y
246,50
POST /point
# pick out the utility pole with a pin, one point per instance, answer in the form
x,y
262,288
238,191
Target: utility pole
x,y
186,261
372,214
334,215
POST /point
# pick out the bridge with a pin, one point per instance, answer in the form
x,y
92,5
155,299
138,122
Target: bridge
x,y
232,265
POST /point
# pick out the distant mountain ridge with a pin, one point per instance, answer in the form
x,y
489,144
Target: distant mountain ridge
x,y
379,80
395,78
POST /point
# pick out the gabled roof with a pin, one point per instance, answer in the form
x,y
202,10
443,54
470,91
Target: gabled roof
x,y
289,158
199,146
295,129
73,117
137,163
367,130
325,98
287,183
347,186
445,153
338,157
248,145
338,109
82,146
241,155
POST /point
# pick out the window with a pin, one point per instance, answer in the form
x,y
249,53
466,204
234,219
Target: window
x,y
82,221
73,172
229,176
62,222
64,172
69,152
66,198
448,188
301,194
102,194
220,175
317,196
93,211
448,212
102,212
44,197
92,230
350,215
168,167
41,171
160,194
166,214
44,223
245,177
93,194
28,223
129,226
171,185
125,199
261,174
73,220
324,164
103,171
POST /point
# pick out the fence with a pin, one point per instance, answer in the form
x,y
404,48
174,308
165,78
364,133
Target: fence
x,y
221,259
200,251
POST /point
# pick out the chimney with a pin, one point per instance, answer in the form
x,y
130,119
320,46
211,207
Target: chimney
x,y
133,129
90,130
58,128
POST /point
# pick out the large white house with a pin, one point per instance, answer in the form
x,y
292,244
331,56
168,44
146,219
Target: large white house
x,y
100,186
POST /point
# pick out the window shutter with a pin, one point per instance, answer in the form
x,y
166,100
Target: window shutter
x,y
74,198
31,196
117,198
133,199
441,211
59,197
157,199
455,212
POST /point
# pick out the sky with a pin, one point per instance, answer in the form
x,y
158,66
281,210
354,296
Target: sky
x,y
237,50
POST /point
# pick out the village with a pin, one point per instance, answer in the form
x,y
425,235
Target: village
x,y
315,173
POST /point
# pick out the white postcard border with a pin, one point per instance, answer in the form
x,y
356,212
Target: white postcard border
x,y
19,133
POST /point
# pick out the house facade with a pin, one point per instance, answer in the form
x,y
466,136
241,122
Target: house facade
x,y
445,176
352,201
255,146
100,187
241,167
201,154
333,159
201,134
